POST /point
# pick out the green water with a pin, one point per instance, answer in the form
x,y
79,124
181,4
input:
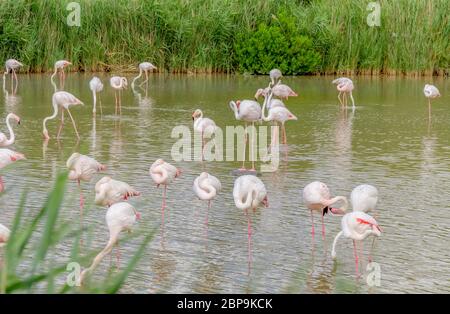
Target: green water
x,y
387,141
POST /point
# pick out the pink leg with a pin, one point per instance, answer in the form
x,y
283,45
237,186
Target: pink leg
x,y
164,197
249,233
312,225
356,258
207,213
245,146
323,229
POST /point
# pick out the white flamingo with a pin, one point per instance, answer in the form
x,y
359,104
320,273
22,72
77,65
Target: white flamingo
x,y
205,126
119,83
60,65
357,226
7,157
430,92
82,168
109,191
317,197
344,86
61,100
11,66
96,86
144,67
206,187
248,111
119,217
364,198
4,141
163,173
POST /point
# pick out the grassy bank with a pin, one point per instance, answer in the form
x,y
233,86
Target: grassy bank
x,y
205,36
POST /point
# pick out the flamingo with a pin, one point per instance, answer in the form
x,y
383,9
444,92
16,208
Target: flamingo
x,y
109,191
364,198
63,100
118,83
119,217
60,65
357,226
96,86
430,92
163,173
11,65
275,77
249,192
248,111
4,235
344,85
317,197
203,125
206,187
7,157
144,67
4,141
82,168
283,91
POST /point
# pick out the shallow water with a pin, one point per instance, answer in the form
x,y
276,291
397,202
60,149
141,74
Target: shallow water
x,y
387,142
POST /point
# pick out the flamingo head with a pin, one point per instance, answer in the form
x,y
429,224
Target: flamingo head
x,y
124,82
196,114
46,136
336,211
238,103
265,201
66,64
260,92
15,117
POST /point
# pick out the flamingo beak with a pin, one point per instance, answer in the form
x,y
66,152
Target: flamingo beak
x,y
325,210
337,211
18,122
138,216
265,202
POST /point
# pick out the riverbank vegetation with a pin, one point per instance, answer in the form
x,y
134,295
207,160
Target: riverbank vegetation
x,y
303,37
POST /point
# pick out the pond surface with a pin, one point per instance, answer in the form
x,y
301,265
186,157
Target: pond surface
x,y
387,142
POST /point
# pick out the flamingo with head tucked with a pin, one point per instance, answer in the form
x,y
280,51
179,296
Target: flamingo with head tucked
x,y
357,226
96,86
317,197
59,67
364,198
61,100
205,126
344,86
206,187
83,168
109,191
11,66
118,83
4,141
163,173
119,217
144,67
430,92
248,111
7,157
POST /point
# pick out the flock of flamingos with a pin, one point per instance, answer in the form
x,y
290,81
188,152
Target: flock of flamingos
x,y
249,191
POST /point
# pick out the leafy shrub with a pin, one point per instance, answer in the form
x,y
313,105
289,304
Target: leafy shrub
x,y
277,45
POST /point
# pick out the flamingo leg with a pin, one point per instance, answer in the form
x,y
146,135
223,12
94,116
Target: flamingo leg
x,y
245,146
252,148
356,258
73,122
164,197
312,224
100,102
15,77
323,229
207,213
249,237
340,100
284,134
115,96
120,102
429,109
61,125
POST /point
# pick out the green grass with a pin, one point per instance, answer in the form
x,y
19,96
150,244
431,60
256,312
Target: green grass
x,y
26,263
200,35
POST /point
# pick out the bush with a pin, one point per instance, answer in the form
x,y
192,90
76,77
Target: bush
x,y
277,45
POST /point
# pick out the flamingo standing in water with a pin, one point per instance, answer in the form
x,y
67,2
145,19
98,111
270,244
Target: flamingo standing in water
x,y
317,197
143,67
96,86
118,83
11,65
206,187
7,157
4,235
357,226
163,173
430,92
205,126
249,192
344,86
248,111
119,217
283,91
4,141
61,100
109,191
83,168
59,67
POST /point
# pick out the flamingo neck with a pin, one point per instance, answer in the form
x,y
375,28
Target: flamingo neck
x,y
161,173
235,110
53,116
54,73
94,96
137,77
11,131
248,201
206,189
266,102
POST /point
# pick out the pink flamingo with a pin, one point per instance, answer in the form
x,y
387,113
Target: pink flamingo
x,y
109,191
60,65
7,157
83,168
63,100
96,86
430,92
11,65
283,91
206,187
248,111
249,192
317,197
205,126
118,83
163,173
345,86
4,141
119,217
143,67
4,235
357,226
